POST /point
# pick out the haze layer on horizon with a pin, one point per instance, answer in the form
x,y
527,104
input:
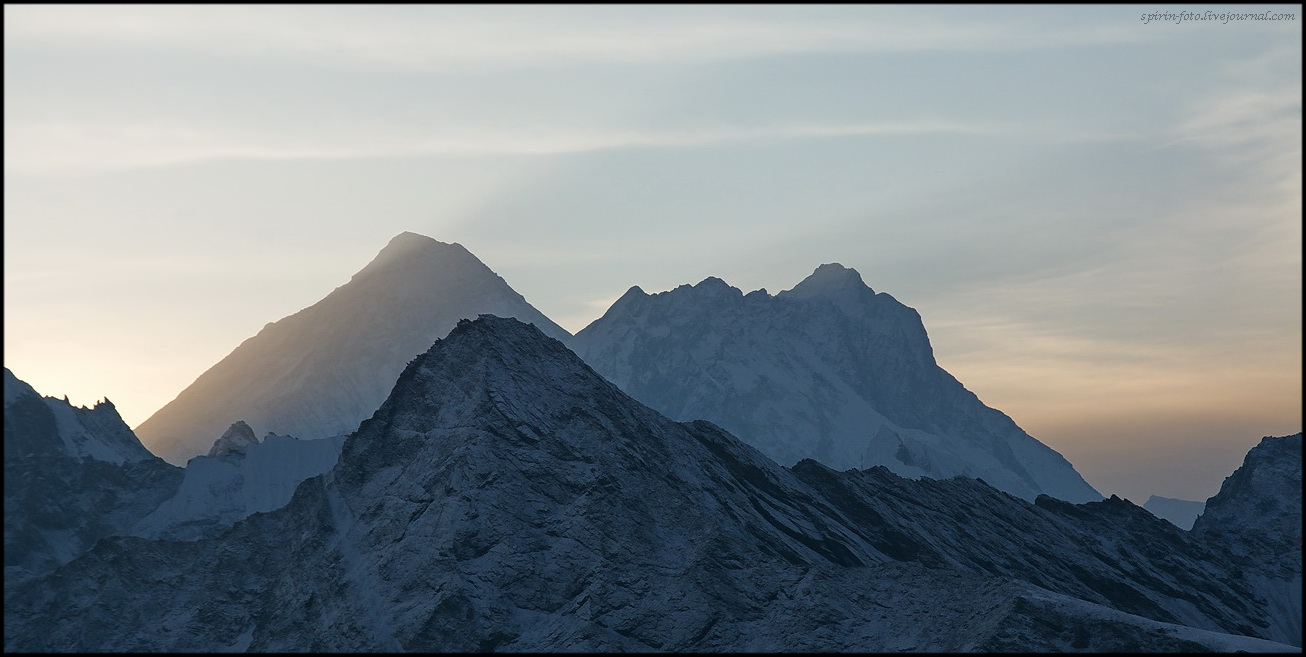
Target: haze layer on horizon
x,y
1098,216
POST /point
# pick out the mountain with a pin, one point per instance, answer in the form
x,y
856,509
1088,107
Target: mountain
x,y
235,440
1180,512
73,475
1256,520
829,370
45,426
240,475
507,497
324,369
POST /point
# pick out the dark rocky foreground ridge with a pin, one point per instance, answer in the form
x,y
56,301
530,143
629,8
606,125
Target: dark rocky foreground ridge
x,y
506,497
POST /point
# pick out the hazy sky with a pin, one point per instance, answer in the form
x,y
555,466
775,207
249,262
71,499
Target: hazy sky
x,y
1098,217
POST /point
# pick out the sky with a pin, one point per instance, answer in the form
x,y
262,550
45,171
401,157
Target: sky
x,y
1096,212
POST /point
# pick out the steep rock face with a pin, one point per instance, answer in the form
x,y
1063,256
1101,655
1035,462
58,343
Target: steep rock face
x,y
505,497
72,476
829,370
321,371
1256,520
1258,508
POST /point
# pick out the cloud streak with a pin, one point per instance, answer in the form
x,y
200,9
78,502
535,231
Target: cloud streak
x,y
80,149
440,38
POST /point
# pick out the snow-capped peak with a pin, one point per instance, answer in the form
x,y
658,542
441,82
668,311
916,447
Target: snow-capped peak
x,y
321,371
410,249
236,439
828,370
830,278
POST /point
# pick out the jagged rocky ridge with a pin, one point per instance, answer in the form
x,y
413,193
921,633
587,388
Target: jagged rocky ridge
x,y
73,475
76,475
324,369
829,370
506,497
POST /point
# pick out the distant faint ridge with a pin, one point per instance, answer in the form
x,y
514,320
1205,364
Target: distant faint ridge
x,y
1183,513
324,369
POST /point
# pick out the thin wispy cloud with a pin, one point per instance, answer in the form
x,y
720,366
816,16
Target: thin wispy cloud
x,y
79,149
466,37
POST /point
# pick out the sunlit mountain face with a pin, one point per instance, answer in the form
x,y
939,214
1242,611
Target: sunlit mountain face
x,y
321,371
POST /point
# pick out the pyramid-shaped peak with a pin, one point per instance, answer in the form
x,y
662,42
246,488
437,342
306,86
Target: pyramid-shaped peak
x,y
485,370
406,247
490,346
829,278
321,371
409,239
237,438
505,339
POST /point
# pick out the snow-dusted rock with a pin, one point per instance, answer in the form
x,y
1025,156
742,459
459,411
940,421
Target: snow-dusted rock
x,y
45,426
506,497
235,440
73,475
324,369
240,476
1259,505
1256,520
829,370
